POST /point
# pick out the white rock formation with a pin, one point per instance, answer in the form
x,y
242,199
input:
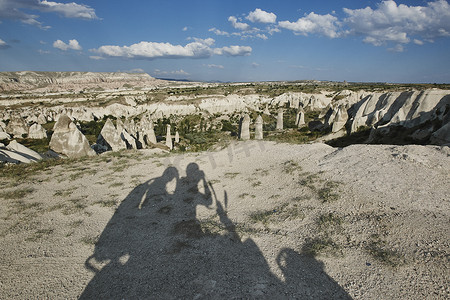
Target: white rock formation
x,y
128,139
177,137
110,138
280,119
17,126
24,151
169,138
259,128
244,133
36,131
67,139
340,119
300,118
149,134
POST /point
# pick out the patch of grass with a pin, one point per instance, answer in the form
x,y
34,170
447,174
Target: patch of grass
x,y
21,206
16,194
291,166
76,223
73,206
231,175
256,183
106,203
115,184
64,193
320,245
81,174
379,250
327,220
89,240
213,181
243,195
327,194
38,234
277,214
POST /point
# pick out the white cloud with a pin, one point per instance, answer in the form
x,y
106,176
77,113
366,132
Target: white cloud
x,y
238,25
185,28
43,51
255,65
72,45
234,51
397,48
326,25
200,48
164,73
68,10
213,66
3,44
14,10
96,57
262,36
418,42
390,22
218,32
260,16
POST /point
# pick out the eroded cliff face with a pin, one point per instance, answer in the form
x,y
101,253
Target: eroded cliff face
x,y
60,81
421,116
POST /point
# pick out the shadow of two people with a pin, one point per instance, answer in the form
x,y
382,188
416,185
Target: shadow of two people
x,y
154,247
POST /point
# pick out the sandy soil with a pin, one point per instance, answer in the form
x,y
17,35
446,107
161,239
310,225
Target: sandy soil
x,y
254,220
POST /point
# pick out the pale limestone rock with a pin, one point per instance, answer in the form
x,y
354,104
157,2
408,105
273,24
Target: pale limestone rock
x,y
169,138
36,131
266,110
67,139
41,119
149,134
441,136
17,126
259,128
280,119
128,139
24,151
300,118
13,157
110,138
177,137
340,119
4,136
244,133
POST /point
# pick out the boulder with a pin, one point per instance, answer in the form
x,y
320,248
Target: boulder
x,y
17,126
441,136
4,136
23,151
67,139
41,119
110,138
13,157
36,131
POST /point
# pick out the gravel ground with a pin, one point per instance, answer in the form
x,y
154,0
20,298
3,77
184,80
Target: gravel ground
x,y
253,220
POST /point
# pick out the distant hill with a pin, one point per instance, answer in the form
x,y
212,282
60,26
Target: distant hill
x,y
30,80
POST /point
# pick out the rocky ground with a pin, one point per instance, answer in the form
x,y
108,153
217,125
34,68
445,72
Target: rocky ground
x,y
253,220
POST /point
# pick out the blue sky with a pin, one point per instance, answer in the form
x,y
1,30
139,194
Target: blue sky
x,y
353,40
